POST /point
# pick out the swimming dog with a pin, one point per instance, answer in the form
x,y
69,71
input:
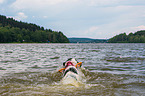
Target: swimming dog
x,y
71,72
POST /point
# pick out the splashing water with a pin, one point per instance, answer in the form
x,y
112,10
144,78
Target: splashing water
x,y
113,69
76,80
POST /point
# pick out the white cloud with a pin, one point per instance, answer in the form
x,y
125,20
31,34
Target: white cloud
x,y
91,29
45,16
20,16
130,29
141,27
36,4
1,1
84,18
102,2
89,32
20,4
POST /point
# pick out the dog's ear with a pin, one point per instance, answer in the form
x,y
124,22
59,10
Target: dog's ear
x,y
77,61
64,63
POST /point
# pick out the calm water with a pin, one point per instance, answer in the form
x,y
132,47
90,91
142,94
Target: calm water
x,y
109,69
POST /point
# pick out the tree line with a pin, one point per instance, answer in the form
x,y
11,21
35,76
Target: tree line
x,y
17,31
137,37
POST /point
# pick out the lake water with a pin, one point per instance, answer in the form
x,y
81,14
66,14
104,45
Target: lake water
x,y
109,69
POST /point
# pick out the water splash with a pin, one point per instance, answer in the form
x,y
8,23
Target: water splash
x,y
76,80
114,69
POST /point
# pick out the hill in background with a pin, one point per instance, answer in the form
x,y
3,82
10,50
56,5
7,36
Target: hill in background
x,y
17,31
86,40
137,37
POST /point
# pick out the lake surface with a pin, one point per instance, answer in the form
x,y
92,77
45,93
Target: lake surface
x,y
109,69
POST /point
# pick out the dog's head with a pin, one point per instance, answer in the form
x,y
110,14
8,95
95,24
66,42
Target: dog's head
x,y
70,62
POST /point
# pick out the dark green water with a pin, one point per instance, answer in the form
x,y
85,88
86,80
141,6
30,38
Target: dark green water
x,y
109,69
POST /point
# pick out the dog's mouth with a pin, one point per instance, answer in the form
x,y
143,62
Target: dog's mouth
x,y
68,63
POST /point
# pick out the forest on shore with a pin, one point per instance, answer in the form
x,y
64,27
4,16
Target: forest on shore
x,y
137,37
13,31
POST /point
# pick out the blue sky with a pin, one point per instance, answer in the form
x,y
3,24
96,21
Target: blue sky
x,y
98,19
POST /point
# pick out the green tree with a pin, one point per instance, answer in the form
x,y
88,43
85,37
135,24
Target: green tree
x,y
19,38
17,31
137,37
142,39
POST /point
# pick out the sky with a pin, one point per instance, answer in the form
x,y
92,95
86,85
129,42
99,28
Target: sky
x,y
98,19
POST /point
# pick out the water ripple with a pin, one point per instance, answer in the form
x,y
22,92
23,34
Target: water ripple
x,y
111,69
